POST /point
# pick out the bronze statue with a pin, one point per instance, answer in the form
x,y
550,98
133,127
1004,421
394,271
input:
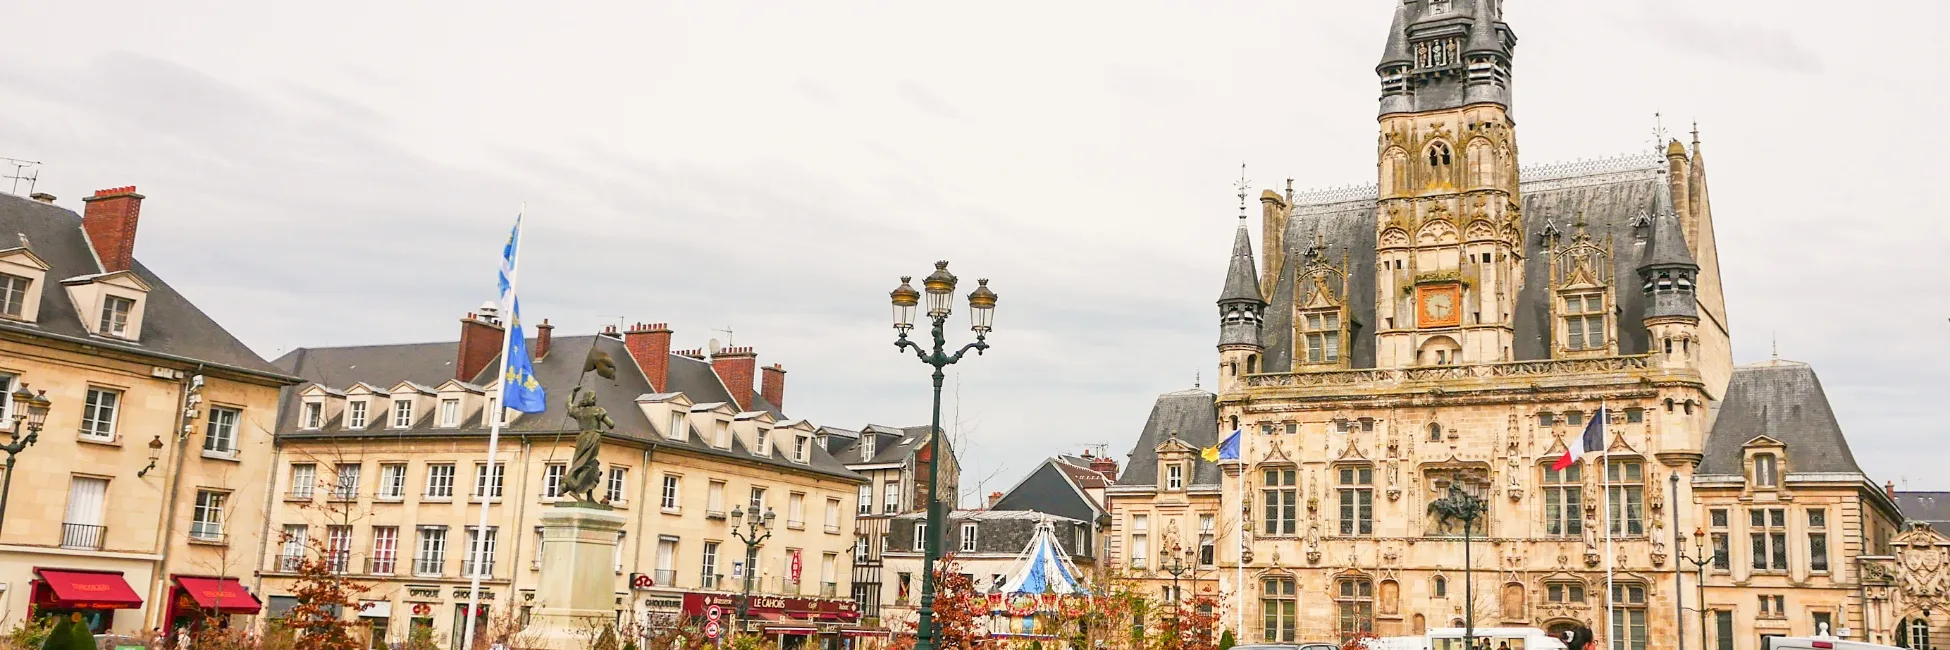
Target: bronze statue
x,y
586,470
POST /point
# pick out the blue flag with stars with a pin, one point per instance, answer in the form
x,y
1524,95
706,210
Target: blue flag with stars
x,y
519,389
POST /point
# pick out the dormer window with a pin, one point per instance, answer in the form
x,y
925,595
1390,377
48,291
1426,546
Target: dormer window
x,y
450,412
355,414
493,412
676,430
313,417
866,446
1175,476
1323,337
13,295
402,413
802,449
1766,471
722,436
1584,321
115,316
764,443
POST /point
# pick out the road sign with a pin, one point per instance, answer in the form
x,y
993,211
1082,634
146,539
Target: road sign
x,y
711,630
713,613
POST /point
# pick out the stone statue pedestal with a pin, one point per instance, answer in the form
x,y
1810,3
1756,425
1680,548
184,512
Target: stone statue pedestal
x,y
576,598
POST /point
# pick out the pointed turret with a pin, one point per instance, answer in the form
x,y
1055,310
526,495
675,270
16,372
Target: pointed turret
x,y
1242,277
1397,52
1668,270
1240,309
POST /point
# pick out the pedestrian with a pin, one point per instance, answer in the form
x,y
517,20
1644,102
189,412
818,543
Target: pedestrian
x,y
183,638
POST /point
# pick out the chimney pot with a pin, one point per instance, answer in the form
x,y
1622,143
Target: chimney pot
x,y
650,348
1104,465
1889,487
994,498
43,197
110,219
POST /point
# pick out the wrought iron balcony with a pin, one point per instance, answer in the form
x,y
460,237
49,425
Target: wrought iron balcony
x,y
83,536
382,565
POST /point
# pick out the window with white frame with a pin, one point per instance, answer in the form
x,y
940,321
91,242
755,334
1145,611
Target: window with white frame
x,y
866,446
355,414
552,480
450,412
860,549
304,477
220,434
480,552
795,510
968,531
1175,476
487,484
618,477
115,316
313,416
714,497
832,515
338,548
402,413
392,480
672,483
801,449
440,481
432,558
1207,540
721,435
1282,499
206,520
1766,470
294,540
758,500
1584,321
98,413
890,502
764,442
920,537
676,430
710,568
347,480
617,557
13,295
866,499
6,401
493,414
385,550
1140,540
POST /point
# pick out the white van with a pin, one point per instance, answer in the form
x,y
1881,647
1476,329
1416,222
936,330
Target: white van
x,y
1820,643
1495,638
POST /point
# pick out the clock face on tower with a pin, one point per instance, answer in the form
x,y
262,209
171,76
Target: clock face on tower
x,y
1438,306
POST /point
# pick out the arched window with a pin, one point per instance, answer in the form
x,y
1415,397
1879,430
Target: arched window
x,y
1252,364
1919,633
1439,587
1668,405
1435,432
1235,422
1766,471
1439,155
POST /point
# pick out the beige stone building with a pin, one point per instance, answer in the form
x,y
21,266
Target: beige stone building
x,y
893,460
382,461
141,501
1168,497
1459,324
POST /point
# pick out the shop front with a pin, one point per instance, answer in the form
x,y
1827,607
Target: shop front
x,y
793,622
196,602
95,595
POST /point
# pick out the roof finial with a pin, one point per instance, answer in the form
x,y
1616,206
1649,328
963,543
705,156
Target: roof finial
x,y
1196,376
1658,131
1243,185
1695,134
1777,346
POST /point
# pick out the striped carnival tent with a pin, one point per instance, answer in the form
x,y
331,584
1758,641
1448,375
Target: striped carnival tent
x,y
1044,569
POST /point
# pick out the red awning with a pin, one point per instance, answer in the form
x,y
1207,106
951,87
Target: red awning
x,y
71,589
224,595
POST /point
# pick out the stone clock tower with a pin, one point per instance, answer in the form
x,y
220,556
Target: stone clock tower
x,y
1449,257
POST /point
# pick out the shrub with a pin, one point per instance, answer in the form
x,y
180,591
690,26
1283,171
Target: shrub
x,y
1226,641
28,634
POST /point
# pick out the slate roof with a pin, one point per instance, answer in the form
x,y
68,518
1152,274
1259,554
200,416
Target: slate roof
x,y
172,326
1242,280
890,444
433,364
1610,195
1052,488
1932,508
1194,415
1782,400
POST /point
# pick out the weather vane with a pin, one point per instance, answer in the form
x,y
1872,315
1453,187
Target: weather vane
x,y
1243,186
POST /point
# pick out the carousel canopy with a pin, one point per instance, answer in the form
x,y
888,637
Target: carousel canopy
x,y
1044,568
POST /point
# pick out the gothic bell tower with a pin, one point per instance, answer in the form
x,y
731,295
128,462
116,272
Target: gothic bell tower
x,y
1449,254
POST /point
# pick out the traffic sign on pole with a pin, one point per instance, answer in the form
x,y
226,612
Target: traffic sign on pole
x,y
713,613
711,630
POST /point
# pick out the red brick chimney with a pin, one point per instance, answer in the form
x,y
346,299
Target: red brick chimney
x,y
544,333
772,385
735,367
994,498
110,218
480,343
1889,487
649,345
1104,465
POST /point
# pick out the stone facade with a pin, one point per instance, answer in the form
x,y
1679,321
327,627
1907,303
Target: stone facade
x,y
154,462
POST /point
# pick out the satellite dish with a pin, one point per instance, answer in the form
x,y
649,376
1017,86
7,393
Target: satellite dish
x,y
712,347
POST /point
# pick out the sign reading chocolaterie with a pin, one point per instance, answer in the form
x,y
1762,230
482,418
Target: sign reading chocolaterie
x,y
794,607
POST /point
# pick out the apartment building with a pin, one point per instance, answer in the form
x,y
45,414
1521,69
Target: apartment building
x,y
893,461
140,501
382,462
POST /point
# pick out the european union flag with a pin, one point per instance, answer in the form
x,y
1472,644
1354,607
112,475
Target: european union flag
x,y
1227,449
519,389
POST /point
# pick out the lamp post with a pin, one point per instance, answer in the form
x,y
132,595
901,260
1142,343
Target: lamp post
x,y
758,528
36,404
940,290
1178,567
1700,559
1462,505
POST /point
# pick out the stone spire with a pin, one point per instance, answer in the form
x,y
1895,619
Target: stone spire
x,y
1240,303
1668,270
1397,52
1445,54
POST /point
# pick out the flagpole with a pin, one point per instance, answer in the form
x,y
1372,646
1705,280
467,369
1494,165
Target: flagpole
x,y
498,402
1239,583
1611,555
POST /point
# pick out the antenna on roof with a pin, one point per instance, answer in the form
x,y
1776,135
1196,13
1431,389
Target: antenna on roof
x,y
619,320
730,338
21,173
1658,132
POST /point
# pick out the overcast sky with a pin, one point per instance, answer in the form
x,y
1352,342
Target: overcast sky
x,y
344,173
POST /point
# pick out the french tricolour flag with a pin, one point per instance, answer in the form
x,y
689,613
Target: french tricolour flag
x,y
1592,439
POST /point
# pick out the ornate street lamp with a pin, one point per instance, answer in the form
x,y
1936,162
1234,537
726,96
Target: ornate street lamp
x,y
30,413
939,290
758,528
1463,506
1699,559
155,454
1181,564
